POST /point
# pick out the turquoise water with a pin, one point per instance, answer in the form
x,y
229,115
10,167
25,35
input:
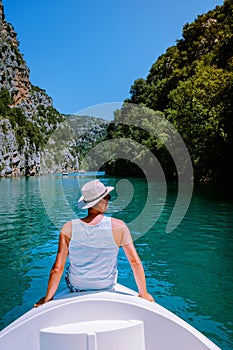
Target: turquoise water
x,y
189,271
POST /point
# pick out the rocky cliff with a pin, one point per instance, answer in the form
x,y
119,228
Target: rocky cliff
x,y
28,118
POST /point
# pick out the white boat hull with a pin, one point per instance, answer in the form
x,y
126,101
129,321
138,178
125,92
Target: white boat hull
x,y
118,320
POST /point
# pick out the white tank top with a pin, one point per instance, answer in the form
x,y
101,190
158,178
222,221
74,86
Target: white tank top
x,y
92,255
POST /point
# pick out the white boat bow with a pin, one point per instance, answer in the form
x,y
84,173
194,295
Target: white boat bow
x,y
104,320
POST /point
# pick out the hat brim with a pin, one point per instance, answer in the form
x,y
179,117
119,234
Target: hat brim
x,y
84,205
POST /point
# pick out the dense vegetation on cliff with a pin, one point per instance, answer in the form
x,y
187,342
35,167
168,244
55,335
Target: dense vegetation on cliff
x,y
192,85
53,141
35,129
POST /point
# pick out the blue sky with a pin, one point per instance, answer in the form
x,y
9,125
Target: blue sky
x,y
86,53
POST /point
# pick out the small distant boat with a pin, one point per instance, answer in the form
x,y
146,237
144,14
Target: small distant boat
x,y
65,173
102,320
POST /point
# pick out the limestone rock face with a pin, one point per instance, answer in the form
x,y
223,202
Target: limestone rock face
x,y
14,162
20,151
28,123
14,74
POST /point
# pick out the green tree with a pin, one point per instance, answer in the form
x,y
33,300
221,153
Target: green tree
x,y
196,109
5,102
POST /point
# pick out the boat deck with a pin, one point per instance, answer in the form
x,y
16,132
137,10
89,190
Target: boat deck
x,y
104,320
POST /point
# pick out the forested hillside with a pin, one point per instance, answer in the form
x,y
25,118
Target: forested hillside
x,y
192,85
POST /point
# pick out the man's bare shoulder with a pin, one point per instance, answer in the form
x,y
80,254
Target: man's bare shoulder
x,y
117,223
67,229
121,230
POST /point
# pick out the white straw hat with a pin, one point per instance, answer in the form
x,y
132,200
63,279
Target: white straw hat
x,y
92,192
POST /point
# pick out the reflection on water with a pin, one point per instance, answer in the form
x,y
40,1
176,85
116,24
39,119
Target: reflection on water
x,y
189,271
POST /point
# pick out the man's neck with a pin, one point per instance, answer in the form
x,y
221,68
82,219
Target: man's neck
x,y
93,216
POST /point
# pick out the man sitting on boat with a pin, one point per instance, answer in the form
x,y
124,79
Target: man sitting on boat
x,y
92,244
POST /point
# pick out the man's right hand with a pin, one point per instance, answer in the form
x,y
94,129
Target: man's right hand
x,y
146,296
40,302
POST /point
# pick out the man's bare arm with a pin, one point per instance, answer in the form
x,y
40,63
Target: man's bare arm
x,y
58,266
138,270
